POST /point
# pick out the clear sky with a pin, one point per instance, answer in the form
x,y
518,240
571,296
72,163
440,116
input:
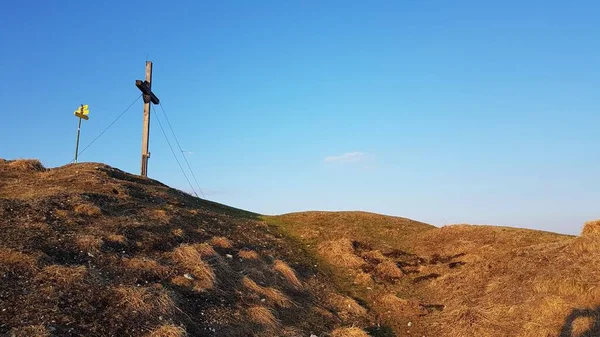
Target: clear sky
x,y
441,111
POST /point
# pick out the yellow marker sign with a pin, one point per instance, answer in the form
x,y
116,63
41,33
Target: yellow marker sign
x,y
83,112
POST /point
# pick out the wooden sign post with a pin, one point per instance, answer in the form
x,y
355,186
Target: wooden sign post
x,y
82,113
146,89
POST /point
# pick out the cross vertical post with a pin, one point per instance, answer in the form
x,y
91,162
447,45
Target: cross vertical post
x,y
146,89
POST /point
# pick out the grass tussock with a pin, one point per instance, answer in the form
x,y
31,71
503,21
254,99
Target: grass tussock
x,y
88,243
182,281
349,332
145,267
16,262
27,165
178,232
340,253
205,250
30,331
160,215
591,228
221,242
116,238
263,316
288,273
188,257
271,294
388,270
248,254
63,275
168,330
87,210
347,308
153,300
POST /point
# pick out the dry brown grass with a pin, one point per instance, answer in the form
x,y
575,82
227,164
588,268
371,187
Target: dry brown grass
x,y
27,165
61,213
582,325
116,238
160,215
87,210
288,273
88,243
263,316
205,250
178,232
270,294
349,332
168,330
591,228
16,262
221,242
248,254
182,281
388,270
190,258
340,253
153,300
145,266
63,275
30,331
373,256
347,308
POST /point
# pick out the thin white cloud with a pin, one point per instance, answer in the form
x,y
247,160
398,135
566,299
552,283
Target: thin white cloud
x,y
350,157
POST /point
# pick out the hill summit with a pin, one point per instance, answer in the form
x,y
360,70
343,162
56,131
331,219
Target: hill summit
x,y
89,250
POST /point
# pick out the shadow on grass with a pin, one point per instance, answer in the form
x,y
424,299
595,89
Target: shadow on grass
x,y
592,331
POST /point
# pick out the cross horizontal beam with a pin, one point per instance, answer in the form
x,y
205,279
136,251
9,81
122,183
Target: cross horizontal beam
x,y
145,89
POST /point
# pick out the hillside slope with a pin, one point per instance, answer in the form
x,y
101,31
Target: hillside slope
x,y
460,280
89,250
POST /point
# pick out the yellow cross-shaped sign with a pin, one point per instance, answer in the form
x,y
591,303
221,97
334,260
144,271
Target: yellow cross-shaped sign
x,y
82,112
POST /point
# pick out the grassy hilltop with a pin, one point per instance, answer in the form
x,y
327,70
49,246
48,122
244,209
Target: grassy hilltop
x,y
89,250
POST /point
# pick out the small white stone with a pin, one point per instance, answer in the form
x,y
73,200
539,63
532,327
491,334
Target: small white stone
x,y
229,256
409,324
188,276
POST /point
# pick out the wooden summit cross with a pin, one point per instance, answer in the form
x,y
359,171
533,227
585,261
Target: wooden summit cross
x,y
146,89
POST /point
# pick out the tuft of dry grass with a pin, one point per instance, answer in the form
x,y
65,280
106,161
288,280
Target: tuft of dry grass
x,y
248,254
27,165
178,232
116,238
263,316
221,242
582,324
145,266
388,270
88,243
591,228
346,307
340,253
269,293
61,213
16,262
63,275
190,258
288,273
349,332
87,209
168,330
182,281
160,215
153,300
30,331
205,250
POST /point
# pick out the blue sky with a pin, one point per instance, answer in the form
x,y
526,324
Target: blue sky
x,y
440,111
